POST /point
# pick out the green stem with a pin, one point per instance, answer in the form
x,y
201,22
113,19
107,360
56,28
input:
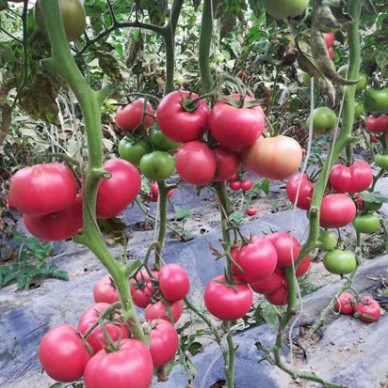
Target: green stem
x,y
163,195
229,367
205,40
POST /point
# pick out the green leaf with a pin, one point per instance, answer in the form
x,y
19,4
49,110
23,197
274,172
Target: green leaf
x,y
3,5
236,218
373,197
22,281
181,213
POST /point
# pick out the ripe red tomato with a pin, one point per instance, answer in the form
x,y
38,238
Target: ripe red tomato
x,y
270,284
130,117
236,127
235,185
96,338
377,124
62,346
141,288
176,122
174,282
130,367
257,259
337,210
331,53
196,163
351,179
159,310
303,267
251,211
306,191
228,162
329,38
164,342
116,193
273,157
56,226
278,297
227,302
345,304
246,184
105,291
367,309
287,247
51,188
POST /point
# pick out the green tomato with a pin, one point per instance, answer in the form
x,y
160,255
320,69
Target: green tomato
x,y
162,142
328,240
133,152
382,161
358,109
157,165
340,262
366,223
324,120
343,70
376,101
282,9
73,16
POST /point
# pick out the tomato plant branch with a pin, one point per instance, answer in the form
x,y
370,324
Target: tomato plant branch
x,y
163,195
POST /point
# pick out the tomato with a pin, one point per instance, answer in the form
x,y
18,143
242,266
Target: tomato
x,y
116,193
56,226
73,18
132,152
345,304
306,191
282,9
366,223
142,289
235,185
227,302
367,309
287,247
61,346
159,310
157,165
176,122
51,188
358,109
328,240
278,297
337,210
377,124
329,39
131,367
303,267
130,117
228,162
164,342
174,282
258,260
273,157
351,179
340,262
96,338
382,161
246,184
376,101
324,120
105,291
236,127
196,163
162,142
251,211
271,284
331,53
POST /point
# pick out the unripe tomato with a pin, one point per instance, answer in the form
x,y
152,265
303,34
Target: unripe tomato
x,y
366,223
340,262
157,165
337,211
273,157
196,163
382,161
130,117
282,9
358,109
328,240
228,162
161,142
324,120
132,152
376,101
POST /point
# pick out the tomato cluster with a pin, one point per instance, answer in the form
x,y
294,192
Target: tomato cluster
x,y
364,308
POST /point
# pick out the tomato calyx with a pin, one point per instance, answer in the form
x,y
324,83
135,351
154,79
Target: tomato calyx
x,y
191,104
229,281
240,102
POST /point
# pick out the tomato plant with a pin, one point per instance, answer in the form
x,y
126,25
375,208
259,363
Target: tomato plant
x,y
367,309
178,123
227,302
130,366
340,261
273,157
61,346
133,115
116,193
345,304
337,210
